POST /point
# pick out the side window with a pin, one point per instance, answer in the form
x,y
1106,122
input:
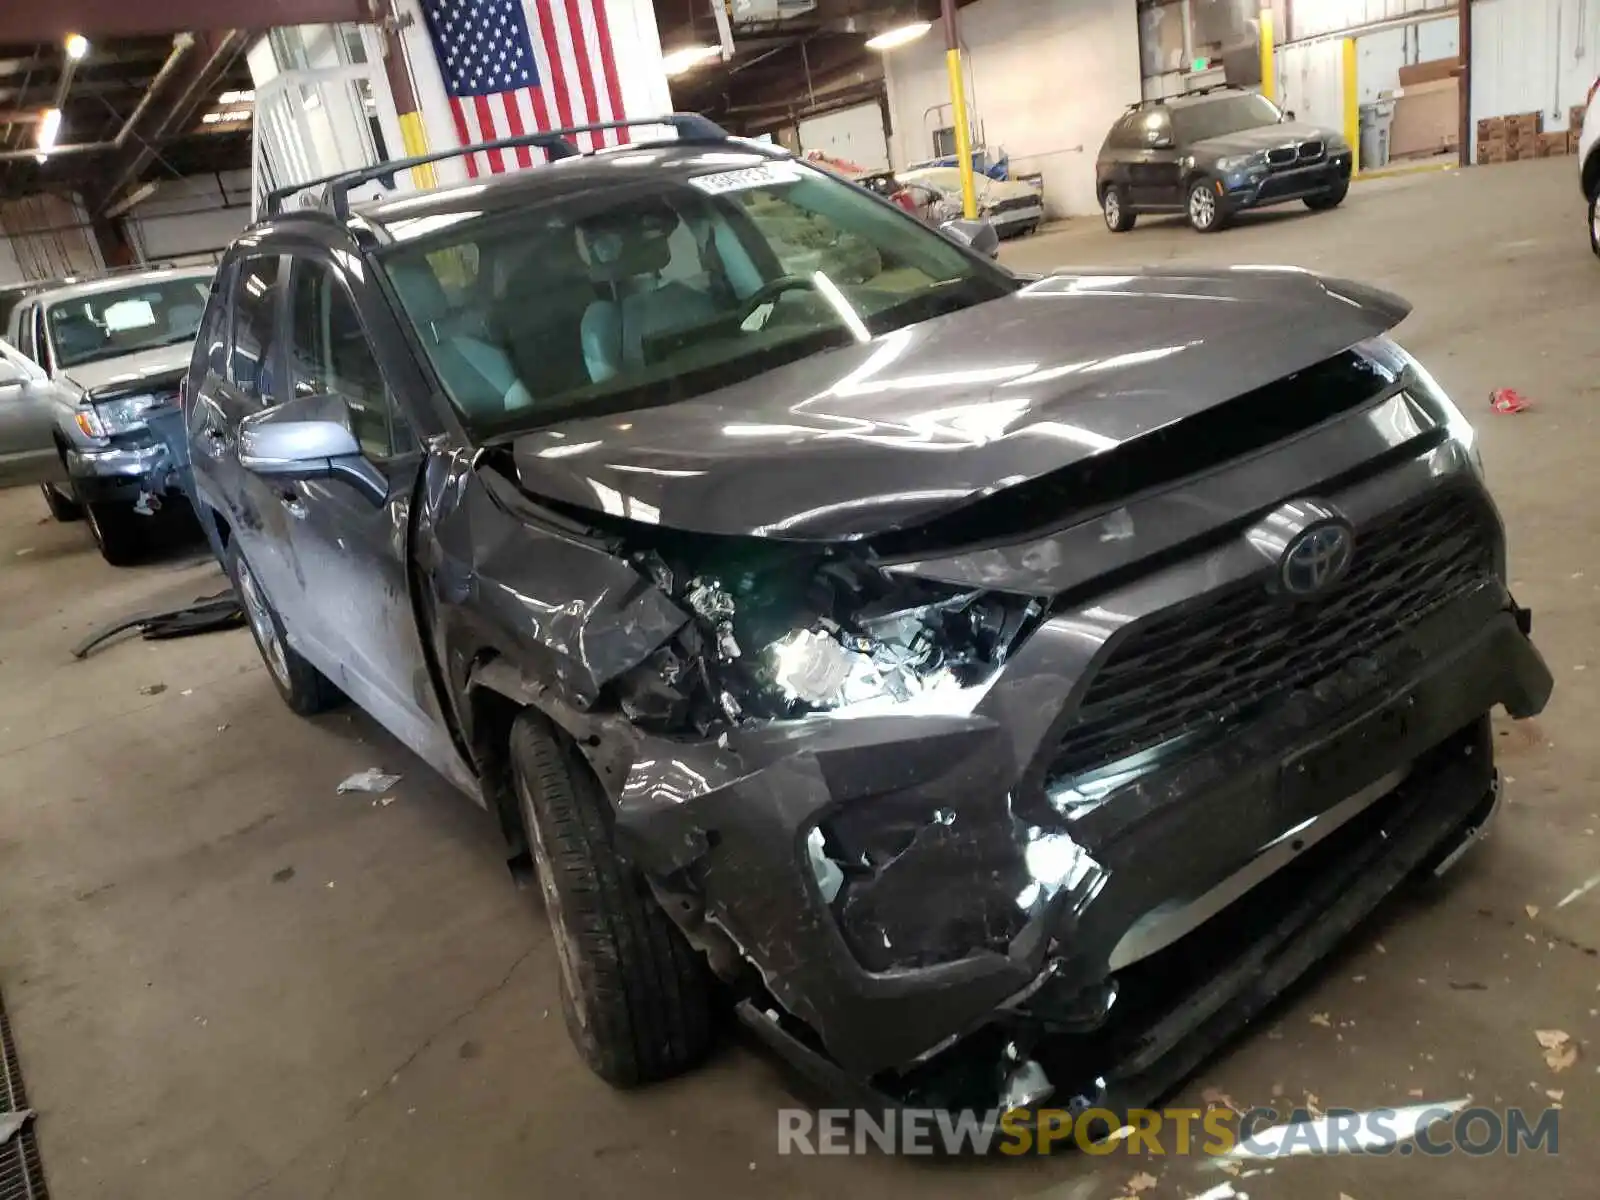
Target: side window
x,y
255,303
211,340
330,354
37,343
1125,133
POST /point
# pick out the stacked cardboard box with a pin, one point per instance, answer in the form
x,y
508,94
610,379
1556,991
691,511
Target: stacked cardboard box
x,y
1575,117
1522,135
1491,140
1550,145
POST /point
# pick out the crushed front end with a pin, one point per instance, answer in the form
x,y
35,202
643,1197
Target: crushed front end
x,y
1056,814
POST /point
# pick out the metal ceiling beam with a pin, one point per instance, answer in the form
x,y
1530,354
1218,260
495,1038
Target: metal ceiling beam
x,y
193,75
52,20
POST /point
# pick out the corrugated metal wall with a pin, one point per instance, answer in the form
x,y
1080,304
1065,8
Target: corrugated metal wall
x,y
1533,56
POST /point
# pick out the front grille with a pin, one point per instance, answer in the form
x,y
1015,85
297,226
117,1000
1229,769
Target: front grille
x,y
1208,663
1311,151
1280,156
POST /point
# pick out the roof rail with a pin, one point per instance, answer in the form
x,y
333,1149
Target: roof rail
x,y
1184,95
554,142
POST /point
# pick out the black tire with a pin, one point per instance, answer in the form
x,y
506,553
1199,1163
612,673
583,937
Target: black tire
x,y
119,533
637,997
1594,223
1114,208
62,506
1331,198
1205,209
304,689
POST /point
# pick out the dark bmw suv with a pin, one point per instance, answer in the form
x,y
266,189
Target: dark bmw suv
x,y
1213,154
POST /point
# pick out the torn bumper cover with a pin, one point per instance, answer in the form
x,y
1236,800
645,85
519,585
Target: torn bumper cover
x,y
746,831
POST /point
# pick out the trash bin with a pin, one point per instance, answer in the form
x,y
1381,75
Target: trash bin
x,y
1376,119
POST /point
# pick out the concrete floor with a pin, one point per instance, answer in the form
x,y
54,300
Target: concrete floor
x,y
229,982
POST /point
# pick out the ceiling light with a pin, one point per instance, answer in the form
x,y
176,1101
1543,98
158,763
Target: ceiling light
x,y
49,127
241,97
687,59
891,38
211,118
77,46
41,158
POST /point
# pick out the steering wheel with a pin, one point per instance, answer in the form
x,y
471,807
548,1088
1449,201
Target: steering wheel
x,y
769,292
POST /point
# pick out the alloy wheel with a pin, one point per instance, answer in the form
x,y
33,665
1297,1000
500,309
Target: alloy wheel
x,y
1113,209
262,624
1202,206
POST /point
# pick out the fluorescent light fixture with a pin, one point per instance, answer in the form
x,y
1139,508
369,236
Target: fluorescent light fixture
x,y
905,34
41,159
49,127
77,46
686,59
241,97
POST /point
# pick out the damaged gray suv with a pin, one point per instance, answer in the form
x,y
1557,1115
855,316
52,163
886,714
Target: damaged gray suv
x,y
1003,687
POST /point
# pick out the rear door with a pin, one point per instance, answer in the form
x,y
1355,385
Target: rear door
x,y
352,549
27,417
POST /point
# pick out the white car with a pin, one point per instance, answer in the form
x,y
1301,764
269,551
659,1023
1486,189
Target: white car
x,y
1589,165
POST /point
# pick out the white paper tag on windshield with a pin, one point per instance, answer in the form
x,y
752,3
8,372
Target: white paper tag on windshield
x,y
766,175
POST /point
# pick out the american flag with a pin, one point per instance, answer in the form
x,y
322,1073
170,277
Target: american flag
x,y
520,66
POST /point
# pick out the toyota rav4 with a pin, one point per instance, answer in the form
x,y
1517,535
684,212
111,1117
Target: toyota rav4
x,y
1006,686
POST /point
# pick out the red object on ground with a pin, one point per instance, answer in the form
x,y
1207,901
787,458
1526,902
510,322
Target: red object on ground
x,y
1509,400
905,200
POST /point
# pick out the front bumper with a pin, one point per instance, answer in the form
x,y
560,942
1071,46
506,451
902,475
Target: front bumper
x,y
132,465
1251,189
1016,221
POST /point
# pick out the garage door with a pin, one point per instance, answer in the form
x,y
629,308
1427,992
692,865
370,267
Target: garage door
x,y
853,134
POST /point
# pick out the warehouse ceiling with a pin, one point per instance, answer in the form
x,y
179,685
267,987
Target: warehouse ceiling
x,y
135,105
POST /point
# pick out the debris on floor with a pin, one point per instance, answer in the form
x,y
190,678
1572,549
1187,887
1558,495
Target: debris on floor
x,y
371,780
1509,400
152,689
1583,889
12,1122
1560,1052
203,615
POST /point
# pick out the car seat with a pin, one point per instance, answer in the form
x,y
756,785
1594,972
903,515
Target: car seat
x,y
628,248
539,312
479,376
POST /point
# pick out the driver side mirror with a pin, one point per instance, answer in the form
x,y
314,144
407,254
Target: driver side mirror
x,y
11,375
308,437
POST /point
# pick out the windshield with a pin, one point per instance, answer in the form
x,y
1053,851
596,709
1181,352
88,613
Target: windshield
x,y
1230,114
161,312
625,297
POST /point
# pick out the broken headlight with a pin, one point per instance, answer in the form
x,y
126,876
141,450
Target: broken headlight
x,y
793,636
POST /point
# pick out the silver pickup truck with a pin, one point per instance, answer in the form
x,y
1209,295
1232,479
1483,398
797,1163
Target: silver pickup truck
x,y
116,350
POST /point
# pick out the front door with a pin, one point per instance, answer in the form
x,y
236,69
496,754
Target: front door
x,y
239,370
1157,174
27,419
351,547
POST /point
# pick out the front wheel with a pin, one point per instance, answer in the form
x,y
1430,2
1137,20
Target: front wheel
x,y
1206,211
1594,223
1331,198
304,689
62,507
119,533
636,996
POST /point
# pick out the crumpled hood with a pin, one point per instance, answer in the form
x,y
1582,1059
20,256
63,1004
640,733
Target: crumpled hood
x,y
159,364
885,435
1266,137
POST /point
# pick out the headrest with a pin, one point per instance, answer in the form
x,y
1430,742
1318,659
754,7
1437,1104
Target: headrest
x,y
420,291
632,240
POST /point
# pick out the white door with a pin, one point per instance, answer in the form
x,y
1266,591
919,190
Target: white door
x,y
853,134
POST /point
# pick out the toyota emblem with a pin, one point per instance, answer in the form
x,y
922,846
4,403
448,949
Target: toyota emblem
x,y
1317,558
